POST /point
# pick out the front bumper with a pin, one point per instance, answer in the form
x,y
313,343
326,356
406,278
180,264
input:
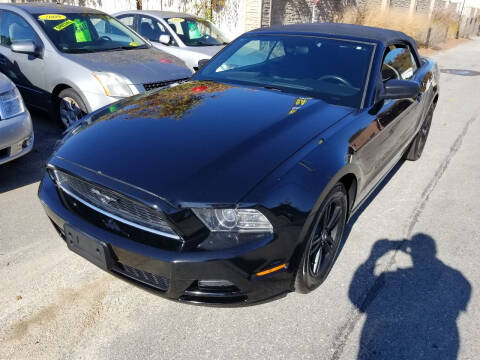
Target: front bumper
x,y
175,274
16,137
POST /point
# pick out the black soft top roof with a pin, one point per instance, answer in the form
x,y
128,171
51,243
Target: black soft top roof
x,y
347,31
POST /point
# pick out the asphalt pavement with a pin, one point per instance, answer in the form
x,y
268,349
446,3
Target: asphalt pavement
x,y
405,284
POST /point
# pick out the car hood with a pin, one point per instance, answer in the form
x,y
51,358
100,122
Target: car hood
x,y
139,66
197,142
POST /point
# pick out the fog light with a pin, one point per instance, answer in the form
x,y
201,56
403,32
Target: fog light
x,y
27,142
214,283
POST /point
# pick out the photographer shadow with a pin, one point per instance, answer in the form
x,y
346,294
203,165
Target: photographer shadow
x,y
411,312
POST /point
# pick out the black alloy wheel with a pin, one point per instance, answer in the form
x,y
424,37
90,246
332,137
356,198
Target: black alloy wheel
x,y
324,241
418,144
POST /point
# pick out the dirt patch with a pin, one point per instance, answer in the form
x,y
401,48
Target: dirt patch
x,y
446,45
84,304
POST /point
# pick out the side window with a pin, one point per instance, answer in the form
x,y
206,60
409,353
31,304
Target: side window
x,y
151,28
15,28
127,20
399,63
277,51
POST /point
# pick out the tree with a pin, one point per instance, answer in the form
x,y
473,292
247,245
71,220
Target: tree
x,y
139,4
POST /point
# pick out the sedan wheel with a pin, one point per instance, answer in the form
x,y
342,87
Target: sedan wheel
x,y
70,108
324,241
70,111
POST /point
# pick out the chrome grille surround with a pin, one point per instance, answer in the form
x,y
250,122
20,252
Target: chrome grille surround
x,y
115,205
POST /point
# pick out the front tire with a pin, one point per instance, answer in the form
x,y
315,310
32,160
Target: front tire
x,y
418,144
323,241
69,108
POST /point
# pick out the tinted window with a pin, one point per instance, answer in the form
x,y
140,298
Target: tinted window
x,y
15,28
151,28
127,20
399,63
88,32
332,70
197,32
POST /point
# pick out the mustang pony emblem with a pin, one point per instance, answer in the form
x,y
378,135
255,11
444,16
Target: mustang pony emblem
x,y
105,199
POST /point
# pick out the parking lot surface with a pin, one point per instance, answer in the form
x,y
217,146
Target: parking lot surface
x,y
405,284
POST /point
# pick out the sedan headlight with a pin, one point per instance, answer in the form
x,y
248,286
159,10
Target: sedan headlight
x,y
113,84
234,220
11,104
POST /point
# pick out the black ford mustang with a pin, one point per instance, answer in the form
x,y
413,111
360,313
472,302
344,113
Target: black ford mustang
x,y
235,187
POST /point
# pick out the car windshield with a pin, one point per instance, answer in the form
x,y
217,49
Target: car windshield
x,y
88,32
197,32
332,70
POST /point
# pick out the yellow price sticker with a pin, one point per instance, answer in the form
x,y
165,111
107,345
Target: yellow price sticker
x,y
52,17
134,43
175,20
63,25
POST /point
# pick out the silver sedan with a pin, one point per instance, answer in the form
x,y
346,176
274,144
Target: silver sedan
x,y
73,60
185,36
16,132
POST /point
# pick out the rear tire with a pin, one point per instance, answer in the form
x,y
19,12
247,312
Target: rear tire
x,y
323,241
69,108
415,150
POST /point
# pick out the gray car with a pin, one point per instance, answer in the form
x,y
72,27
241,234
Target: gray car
x,y
186,36
73,60
16,133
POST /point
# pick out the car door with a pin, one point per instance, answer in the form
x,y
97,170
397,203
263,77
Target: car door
x,y
25,70
390,124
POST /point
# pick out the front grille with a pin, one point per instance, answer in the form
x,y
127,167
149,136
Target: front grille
x,y
155,85
115,205
153,280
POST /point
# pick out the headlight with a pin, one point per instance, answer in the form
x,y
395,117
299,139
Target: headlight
x,y
113,84
11,104
234,220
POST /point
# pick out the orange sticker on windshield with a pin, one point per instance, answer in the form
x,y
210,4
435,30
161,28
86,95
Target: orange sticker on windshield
x,y
52,17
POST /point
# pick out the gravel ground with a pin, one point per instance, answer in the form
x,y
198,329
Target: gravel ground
x,y
412,295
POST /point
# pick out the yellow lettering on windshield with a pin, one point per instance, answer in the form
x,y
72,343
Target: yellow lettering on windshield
x,y
52,17
63,25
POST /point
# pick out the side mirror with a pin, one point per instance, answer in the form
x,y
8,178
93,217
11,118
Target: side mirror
x,y
202,63
25,47
399,89
165,39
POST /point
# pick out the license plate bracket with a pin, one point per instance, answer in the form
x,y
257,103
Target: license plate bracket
x,y
88,247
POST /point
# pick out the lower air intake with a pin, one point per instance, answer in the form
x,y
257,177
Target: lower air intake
x,y
156,281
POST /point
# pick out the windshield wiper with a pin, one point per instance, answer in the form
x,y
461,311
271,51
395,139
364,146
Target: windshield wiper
x,y
119,48
270,87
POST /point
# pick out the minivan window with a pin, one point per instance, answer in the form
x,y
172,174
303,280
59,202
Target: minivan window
x,y
88,32
15,28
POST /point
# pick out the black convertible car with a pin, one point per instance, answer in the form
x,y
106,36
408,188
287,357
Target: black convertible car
x,y
234,187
